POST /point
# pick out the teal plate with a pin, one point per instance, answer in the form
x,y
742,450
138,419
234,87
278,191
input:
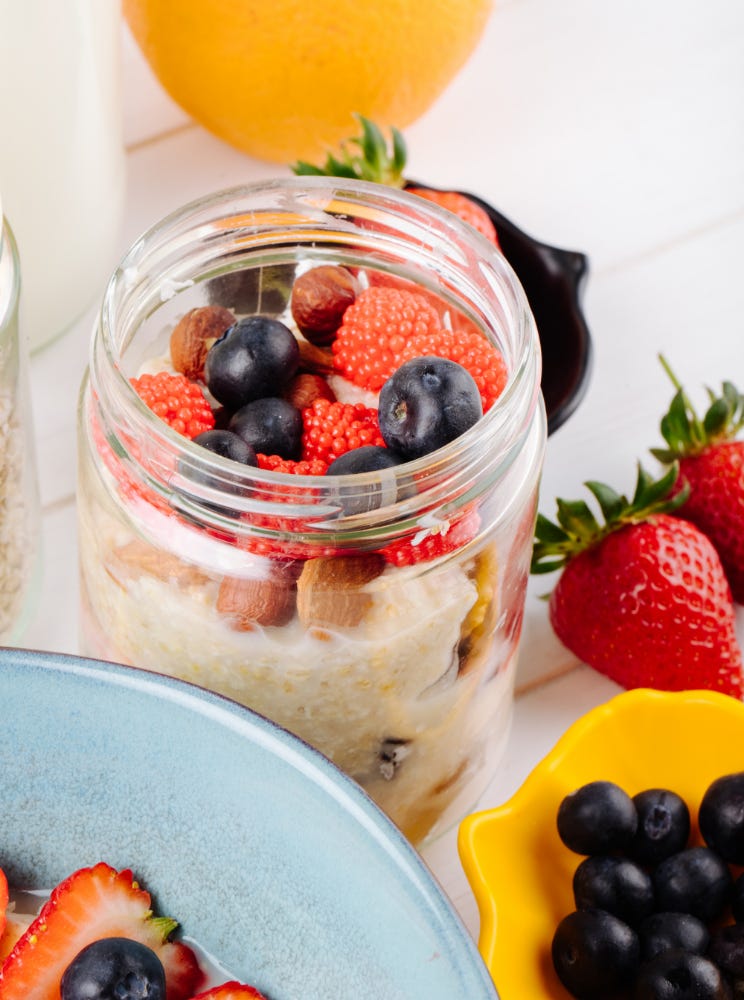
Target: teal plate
x,y
267,854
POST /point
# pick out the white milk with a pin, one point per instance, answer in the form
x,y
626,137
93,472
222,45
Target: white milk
x,y
61,153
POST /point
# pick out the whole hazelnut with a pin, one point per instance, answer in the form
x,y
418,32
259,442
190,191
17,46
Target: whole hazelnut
x,y
305,388
194,334
320,297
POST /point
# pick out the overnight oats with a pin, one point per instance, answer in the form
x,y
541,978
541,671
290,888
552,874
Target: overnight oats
x,y
310,442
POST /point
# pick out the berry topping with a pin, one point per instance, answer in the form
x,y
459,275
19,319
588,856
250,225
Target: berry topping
x,y
427,403
230,991
594,954
620,886
695,881
597,818
228,445
389,326
664,931
275,463
180,403
114,968
319,298
331,429
663,826
721,817
271,426
255,358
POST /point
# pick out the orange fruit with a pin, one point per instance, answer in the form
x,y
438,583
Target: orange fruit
x,y
281,79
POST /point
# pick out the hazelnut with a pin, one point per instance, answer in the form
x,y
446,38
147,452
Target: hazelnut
x,y
194,334
246,603
304,389
319,299
330,591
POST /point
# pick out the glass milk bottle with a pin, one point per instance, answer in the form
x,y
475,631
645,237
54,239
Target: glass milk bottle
x,y
19,501
61,153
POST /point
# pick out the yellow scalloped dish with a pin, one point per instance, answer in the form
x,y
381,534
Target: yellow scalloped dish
x,y
520,871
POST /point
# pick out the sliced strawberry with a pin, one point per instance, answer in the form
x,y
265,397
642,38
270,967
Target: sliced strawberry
x,y
230,991
15,926
3,900
93,903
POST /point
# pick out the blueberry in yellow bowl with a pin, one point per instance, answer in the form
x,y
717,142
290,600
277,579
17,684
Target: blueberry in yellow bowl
x,y
640,805
129,800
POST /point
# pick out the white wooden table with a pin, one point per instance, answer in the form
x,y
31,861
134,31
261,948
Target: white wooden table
x,y
615,129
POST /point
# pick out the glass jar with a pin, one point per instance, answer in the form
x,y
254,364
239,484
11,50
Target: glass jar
x,y
20,556
376,615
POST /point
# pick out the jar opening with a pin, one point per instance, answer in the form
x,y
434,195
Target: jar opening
x,y
242,248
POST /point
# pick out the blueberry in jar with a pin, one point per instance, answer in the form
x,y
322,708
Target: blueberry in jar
x,y
114,968
425,404
368,458
721,817
696,881
680,975
255,358
737,899
597,818
227,444
270,426
663,826
666,931
594,954
615,884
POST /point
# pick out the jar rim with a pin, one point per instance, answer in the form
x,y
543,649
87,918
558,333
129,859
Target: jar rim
x,y
306,212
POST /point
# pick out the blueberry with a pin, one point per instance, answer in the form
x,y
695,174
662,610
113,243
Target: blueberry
x,y
617,885
680,975
228,445
594,954
425,404
663,826
597,818
666,931
721,817
727,949
696,881
356,499
270,426
114,968
255,358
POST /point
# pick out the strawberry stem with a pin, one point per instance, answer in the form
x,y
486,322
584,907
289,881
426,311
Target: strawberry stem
x,y
577,529
366,157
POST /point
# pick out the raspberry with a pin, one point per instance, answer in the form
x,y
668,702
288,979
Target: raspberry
x,y
180,403
428,545
332,428
388,326
275,463
373,339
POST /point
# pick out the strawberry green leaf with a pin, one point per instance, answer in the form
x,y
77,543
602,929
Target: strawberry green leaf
x,y
364,157
610,503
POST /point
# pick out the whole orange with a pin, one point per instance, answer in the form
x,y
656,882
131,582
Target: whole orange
x,y
281,79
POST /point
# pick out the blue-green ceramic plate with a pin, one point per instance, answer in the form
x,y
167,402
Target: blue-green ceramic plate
x,y
268,856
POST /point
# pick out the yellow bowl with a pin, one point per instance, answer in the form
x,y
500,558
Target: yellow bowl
x,y
520,871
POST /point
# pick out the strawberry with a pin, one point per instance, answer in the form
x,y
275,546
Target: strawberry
x,y
711,463
4,897
367,157
387,326
230,991
93,903
643,597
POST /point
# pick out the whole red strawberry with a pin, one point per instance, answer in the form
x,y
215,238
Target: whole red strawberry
x,y
367,157
711,463
643,597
